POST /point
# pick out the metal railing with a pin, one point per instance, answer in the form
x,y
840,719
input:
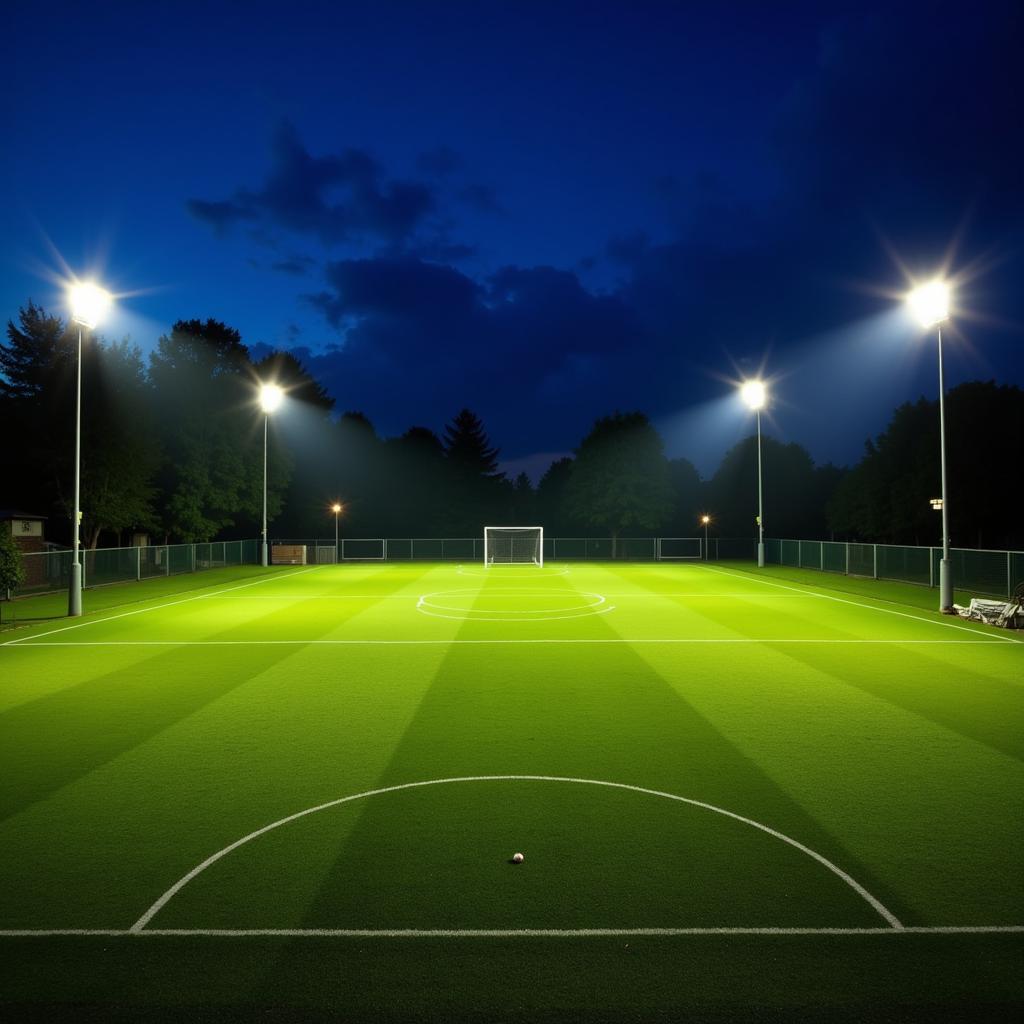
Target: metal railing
x,y
50,571
985,572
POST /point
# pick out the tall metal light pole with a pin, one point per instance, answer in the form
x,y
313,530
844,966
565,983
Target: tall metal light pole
x,y
336,509
755,394
705,520
88,304
270,398
930,305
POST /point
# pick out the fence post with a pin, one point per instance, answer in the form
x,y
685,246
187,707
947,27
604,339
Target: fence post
x,y
138,563
1009,576
874,569
167,559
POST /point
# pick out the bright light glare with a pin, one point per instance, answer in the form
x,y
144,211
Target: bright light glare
x,y
271,397
88,303
335,508
930,303
754,393
705,520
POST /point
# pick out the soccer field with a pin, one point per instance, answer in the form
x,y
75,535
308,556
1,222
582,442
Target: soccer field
x,y
295,794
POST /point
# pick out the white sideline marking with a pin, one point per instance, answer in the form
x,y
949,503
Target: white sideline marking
x,y
859,604
496,933
157,607
538,640
747,595
878,906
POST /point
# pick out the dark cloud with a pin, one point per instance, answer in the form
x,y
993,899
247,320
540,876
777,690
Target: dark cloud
x,y
296,265
438,162
480,197
336,198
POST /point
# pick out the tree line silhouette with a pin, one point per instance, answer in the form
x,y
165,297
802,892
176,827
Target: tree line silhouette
x,y
173,446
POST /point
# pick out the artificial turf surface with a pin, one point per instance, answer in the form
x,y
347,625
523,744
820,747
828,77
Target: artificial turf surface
x,y
848,763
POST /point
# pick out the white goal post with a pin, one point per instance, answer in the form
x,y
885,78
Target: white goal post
x,y
513,545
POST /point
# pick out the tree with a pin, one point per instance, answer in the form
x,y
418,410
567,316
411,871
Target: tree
x,y
12,570
620,477
550,500
212,433
479,491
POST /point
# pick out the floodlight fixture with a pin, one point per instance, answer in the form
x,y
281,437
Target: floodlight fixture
x,y
336,508
930,302
88,303
271,397
705,520
754,393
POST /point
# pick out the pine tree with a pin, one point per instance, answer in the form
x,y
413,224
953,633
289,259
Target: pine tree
x,y
469,449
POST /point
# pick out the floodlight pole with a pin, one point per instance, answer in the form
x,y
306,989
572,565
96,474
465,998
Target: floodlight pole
x,y
336,511
266,428
760,499
945,574
75,582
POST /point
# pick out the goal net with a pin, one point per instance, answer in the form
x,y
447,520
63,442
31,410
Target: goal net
x,y
513,545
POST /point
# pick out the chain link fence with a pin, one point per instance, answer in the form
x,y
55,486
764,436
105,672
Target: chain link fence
x,y
986,573
50,571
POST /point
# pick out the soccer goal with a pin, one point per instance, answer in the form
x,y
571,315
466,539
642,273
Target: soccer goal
x,y
513,545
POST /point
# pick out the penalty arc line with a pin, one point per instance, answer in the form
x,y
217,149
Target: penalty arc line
x,y
165,898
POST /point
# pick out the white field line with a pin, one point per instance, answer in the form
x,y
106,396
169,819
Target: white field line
x,y
876,904
539,640
860,604
492,933
405,597
157,607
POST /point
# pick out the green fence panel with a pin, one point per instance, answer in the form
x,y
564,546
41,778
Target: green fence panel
x,y
398,549
599,548
181,558
773,551
790,552
250,552
638,549
981,573
152,561
906,564
862,560
833,556
1016,573
45,572
568,548
429,548
109,565
811,555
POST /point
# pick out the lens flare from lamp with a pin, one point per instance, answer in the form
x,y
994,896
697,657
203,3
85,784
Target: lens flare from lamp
x,y
335,508
88,303
754,393
271,397
930,303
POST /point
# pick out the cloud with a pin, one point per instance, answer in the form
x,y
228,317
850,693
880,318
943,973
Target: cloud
x,y
336,198
438,162
482,198
296,265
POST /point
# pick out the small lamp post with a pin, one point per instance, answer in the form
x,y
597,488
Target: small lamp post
x,y
705,520
755,394
270,398
930,305
336,509
88,304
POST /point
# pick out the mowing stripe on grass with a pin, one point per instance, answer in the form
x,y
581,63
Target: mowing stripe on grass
x,y
157,607
162,901
859,604
994,642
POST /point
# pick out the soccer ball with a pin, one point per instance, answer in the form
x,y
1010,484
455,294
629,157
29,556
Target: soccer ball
x,y
517,858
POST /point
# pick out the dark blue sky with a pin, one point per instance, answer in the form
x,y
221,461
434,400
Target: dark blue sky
x,y
546,211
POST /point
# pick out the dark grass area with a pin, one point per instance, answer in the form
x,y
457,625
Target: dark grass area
x,y
908,978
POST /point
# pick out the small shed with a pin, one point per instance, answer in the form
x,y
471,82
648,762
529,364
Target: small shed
x,y
26,528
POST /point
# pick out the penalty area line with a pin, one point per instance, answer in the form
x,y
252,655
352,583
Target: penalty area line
x,y
487,933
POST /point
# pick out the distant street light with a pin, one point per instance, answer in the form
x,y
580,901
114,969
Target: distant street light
x,y
336,509
88,304
706,520
755,394
271,397
929,304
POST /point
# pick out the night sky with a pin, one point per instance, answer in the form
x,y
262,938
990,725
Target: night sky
x,y
545,211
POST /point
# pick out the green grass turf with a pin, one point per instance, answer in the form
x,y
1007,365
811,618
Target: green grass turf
x,y
139,741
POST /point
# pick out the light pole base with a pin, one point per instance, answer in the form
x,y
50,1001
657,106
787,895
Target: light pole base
x,y
263,560
945,586
760,554
75,590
